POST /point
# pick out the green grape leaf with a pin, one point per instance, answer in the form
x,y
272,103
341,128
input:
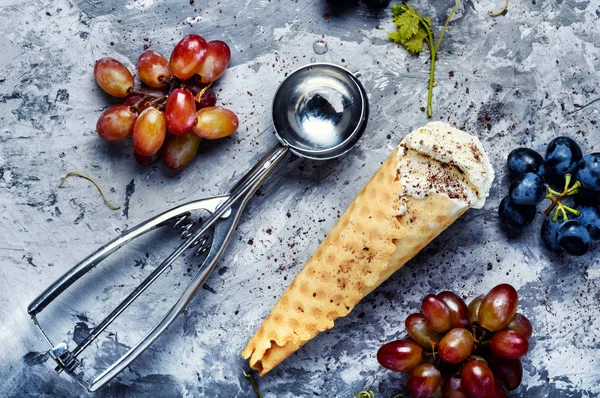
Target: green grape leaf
x,y
395,37
411,28
399,9
408,25
415,43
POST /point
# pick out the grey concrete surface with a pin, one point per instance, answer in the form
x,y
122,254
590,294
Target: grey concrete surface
x,y
519,79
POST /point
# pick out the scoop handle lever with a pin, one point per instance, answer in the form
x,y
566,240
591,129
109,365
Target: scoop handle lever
x,y
87,264
223,229
225,214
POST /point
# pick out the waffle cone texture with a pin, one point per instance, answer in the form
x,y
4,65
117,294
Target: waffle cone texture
x,y
379,232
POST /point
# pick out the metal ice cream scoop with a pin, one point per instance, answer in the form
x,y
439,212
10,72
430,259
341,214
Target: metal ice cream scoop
x,y
319,112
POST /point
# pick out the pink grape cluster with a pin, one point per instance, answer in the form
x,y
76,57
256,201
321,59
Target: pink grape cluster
x,y
460,351
176,98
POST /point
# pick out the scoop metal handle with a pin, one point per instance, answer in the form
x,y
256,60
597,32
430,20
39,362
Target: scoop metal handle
x,y
226,211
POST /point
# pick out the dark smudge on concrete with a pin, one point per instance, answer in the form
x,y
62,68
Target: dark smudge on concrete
x,y
129,190
35,358
81,331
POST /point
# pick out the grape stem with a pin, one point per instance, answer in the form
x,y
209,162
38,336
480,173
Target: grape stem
x,y
557,200
433,49
437,360
250,377
433,348
140,102
480,336
141,93
198,96
157,103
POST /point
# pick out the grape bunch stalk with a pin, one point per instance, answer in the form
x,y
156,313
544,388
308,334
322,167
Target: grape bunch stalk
x,y
455,350
176,98
570,181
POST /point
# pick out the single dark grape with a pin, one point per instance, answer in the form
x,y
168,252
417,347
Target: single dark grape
x,y
456,345
419,331
527,189
378,3
452,387
509,344
208,99
588,171
458,309
437,314
562,157
549,235
515,216
195,86
499,389
521,324
589,216
423,381
498,307
508,371
587,197
574,238
400,355
477,379
525,160
474,309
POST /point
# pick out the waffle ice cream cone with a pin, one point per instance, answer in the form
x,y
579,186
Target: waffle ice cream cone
x,y
436,174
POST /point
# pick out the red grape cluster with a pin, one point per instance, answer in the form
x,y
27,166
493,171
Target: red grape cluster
x,y
176,97
457,351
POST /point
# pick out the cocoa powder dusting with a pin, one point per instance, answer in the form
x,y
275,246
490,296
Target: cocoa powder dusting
x,y
476,153
425,175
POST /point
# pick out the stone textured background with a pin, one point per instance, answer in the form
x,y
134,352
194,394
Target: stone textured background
x,y
519,79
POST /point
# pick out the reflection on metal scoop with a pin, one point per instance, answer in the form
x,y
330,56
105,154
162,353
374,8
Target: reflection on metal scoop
x,y
319,112
319,120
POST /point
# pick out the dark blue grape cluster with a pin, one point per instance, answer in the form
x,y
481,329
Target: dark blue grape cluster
x,y
573,217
